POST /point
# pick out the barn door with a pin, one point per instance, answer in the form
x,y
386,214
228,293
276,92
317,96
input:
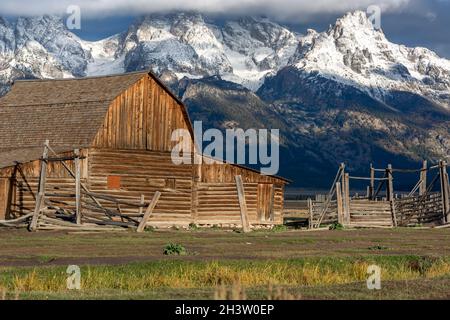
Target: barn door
x,y
265,202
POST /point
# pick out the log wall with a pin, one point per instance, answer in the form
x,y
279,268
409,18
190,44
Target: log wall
x,y
225,173
218,203
144,173
217,198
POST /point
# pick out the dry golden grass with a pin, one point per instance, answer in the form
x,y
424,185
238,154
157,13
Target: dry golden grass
x,y
215,274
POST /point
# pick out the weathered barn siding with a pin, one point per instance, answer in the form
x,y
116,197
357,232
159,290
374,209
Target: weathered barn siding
x,y
218,204
143,173
218,199
225,172
4,186
142,117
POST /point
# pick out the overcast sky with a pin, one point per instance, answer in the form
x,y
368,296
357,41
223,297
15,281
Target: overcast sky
x,y
411,22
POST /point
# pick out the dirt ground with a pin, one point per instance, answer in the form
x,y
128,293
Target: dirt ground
x,y
22,248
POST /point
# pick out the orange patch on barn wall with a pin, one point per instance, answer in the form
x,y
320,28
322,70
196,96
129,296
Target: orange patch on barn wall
x,y
113,182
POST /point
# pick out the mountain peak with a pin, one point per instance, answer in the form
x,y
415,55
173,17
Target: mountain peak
x,y
355,19
354,52
356,27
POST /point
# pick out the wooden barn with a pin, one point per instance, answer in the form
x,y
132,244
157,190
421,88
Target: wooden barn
x,y
115,132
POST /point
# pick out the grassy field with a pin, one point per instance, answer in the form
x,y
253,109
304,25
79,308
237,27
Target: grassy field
x,y
415,264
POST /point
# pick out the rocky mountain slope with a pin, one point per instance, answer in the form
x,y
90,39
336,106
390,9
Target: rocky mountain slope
x,y
346,94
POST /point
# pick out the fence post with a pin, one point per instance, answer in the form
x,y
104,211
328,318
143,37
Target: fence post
x,y
243,204
40,198
448,196
372,183
148,212
390,188
346,198
340,213
423,178
394,213
311,213
78,206
444,191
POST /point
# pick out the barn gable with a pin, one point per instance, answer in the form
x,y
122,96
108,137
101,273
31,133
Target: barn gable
x,y
143,117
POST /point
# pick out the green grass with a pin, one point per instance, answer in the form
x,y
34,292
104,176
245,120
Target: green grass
x,y
199,279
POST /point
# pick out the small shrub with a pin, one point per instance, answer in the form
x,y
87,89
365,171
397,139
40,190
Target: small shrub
x,y
378,247
174,249
280,228
193,227
336,226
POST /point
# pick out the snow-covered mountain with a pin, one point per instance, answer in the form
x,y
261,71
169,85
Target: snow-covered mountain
x,y
353,52
185,44
245,51
242,51
345,94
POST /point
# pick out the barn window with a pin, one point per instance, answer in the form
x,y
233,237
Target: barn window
x,y
170,183
113,182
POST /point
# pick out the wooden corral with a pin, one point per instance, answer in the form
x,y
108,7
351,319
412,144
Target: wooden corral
x,y
421,207
122,126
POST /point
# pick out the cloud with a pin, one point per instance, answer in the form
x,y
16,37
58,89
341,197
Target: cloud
x,y
284,9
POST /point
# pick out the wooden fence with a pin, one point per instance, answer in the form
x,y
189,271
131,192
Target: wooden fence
x,y
420,210
316,210
421,206
369,213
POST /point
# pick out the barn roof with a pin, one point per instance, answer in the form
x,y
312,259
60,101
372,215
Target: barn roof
x,y
68,112
60,91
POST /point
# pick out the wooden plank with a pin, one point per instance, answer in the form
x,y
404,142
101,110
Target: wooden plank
x,y
447,183
311,213
390,190
394,214
41,191
339,203
148,212
4,188
444,191
346,198
78,208
372,182
423,178
272,203
142,203
242,204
